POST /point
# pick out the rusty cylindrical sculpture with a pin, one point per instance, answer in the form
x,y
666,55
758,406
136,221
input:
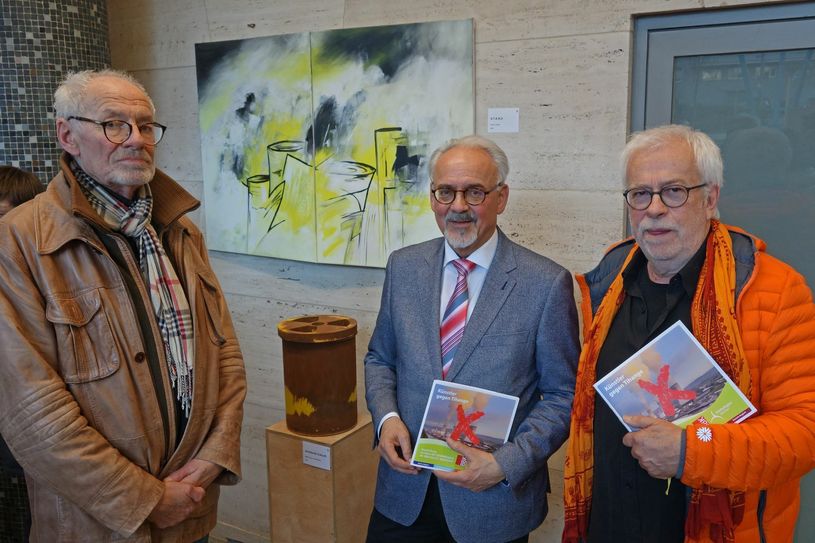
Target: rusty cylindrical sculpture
x,y
319,373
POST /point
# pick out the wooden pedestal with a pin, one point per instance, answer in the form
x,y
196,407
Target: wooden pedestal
x,y
308,504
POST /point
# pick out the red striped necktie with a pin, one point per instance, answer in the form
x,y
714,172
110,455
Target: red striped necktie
x,y
455,316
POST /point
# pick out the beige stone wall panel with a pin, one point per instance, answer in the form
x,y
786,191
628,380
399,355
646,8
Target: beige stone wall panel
x,y
514,19
175,93
153,34
344,288
239,19
571,227
573,107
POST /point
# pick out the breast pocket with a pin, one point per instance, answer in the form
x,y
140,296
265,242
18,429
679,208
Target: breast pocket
x,y
85,337
504,340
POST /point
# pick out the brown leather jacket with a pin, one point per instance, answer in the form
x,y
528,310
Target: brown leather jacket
x,y
79,406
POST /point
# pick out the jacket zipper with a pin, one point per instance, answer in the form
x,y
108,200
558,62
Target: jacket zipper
x,y
762,504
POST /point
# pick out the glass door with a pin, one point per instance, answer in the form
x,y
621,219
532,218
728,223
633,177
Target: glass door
x,y
747,78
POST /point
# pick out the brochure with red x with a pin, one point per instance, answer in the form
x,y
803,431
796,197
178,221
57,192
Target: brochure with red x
x,y
475,416
674,378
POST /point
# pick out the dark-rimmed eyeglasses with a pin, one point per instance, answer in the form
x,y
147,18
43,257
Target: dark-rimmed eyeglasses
x,y
672,196
119,131
472,195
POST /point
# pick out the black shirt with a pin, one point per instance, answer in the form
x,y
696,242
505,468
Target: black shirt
x,y
628,504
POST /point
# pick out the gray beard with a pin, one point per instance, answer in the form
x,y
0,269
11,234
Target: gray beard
x,y
143,178
457,242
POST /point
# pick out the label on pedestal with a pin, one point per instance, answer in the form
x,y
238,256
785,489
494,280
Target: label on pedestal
x,y
316,455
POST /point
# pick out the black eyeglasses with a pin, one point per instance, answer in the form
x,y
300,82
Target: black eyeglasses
x,y
119,131
472,195
672,196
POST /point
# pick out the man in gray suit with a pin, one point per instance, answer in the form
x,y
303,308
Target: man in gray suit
x,y
517,334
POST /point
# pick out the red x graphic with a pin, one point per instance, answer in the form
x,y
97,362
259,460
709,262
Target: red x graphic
x,y
463,425
665,394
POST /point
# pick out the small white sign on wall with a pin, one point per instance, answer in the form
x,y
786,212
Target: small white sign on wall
x,y
316,455
503,119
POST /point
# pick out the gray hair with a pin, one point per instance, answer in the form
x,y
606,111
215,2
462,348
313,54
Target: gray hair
x,y
498,156
70,95
705,151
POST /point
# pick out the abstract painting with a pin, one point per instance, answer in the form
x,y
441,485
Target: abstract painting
x,y
315,145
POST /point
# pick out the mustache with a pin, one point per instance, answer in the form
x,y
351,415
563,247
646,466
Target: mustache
x,y
134,153
649,225
465,216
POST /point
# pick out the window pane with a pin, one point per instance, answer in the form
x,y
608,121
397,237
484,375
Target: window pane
x,y
760,110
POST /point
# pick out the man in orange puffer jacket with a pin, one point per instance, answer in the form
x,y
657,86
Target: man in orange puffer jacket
x,y
753,313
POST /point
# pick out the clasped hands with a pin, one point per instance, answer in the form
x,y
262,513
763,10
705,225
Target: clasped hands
x,y
656,445
183,491
482,470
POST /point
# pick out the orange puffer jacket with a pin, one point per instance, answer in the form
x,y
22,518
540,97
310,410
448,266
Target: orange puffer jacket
x,y
766,455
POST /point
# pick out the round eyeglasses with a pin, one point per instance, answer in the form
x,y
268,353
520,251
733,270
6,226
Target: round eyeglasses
x,y
672,196
119,131
472,195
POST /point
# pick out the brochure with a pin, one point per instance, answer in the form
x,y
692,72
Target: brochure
x,y
478,417
674,378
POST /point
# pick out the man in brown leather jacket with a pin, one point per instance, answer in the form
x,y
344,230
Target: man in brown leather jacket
x,y
121,382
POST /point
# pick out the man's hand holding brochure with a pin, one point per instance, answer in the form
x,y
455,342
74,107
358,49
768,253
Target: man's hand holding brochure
x,y
473,416
674,379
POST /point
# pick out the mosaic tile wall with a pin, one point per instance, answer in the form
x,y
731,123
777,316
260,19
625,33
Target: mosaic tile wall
x,y
40,41
14,513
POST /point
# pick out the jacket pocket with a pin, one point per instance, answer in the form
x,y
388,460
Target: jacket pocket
x,y
208,288
508,339
87,344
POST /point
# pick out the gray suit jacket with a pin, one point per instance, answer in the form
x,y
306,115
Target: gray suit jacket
x,y
521,339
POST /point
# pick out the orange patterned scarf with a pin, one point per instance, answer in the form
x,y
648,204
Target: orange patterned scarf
x,y
713,316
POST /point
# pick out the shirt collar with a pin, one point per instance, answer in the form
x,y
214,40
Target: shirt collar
x,y
482,256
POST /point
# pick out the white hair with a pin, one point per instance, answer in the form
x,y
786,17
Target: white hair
x,y
498,156
705,152
69,98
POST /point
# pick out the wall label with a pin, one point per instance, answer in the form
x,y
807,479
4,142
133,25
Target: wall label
x,y
503,119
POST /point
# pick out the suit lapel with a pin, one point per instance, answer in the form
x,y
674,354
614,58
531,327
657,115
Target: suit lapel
x,y
494,293
431,277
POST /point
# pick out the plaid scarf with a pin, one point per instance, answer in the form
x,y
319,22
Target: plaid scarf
x,y
167,296
713,316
